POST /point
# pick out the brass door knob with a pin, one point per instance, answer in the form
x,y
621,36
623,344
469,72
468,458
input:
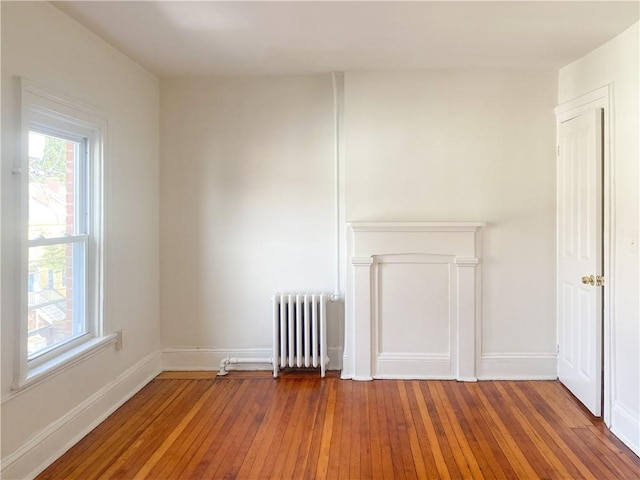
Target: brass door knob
x,y
589,280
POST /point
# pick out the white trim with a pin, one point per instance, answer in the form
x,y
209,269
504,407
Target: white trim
x,y
338,172
517,366
54,440
371,244
573,108
346,374
40,105
61,363
466,261
362,261
624,425
209,358
432,366
431,357
419,377
49,95
602,98
416,226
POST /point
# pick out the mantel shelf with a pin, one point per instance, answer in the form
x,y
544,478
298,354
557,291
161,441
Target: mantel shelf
x,y
415,226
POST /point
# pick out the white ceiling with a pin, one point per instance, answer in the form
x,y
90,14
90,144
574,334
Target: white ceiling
x,y
202,38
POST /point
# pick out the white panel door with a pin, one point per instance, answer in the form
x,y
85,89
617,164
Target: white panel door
x,y
580,257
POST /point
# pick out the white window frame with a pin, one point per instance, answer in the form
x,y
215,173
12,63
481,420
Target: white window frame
x,y
51,113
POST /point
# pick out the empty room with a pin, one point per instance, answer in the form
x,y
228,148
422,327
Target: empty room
x,y
304,239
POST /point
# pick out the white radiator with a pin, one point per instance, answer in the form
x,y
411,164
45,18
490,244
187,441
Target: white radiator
x,y
300,331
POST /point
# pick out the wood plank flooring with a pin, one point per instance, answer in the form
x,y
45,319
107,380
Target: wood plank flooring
x,y
196,426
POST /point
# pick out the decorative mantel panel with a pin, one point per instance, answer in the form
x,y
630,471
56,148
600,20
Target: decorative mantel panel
x,y
412,300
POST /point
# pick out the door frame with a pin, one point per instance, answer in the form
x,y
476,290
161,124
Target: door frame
x,y
600,98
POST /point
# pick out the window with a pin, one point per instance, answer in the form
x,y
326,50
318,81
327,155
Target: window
x,y
62,277
58,240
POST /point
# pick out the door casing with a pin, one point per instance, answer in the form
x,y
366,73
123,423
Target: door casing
x,y
601,98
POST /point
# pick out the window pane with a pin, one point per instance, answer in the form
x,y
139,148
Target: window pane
x,y
53,195
56,289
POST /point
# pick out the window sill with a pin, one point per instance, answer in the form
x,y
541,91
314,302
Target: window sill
x,y
64,361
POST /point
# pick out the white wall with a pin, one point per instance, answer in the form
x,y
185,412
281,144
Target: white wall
x,y
247,199
246,210
45,46
616,62
468,146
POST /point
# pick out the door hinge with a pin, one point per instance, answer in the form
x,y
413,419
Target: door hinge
x,y
558,150
557,349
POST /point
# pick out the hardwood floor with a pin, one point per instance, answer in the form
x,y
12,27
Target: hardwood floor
x,y
251,426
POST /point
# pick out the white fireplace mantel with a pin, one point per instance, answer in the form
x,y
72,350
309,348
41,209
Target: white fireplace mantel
x,y
412,300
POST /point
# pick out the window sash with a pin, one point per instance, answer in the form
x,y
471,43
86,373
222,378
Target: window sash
x,y
82,166
43,242
66,320
80,300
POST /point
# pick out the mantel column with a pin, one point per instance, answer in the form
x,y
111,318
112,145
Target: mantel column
x,y
466,318
362,317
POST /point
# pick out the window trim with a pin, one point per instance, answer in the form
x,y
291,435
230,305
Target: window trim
x,y
43,109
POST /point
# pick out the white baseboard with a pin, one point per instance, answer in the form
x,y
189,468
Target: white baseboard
x,y
412,366
625,424
208,359
346,372
53,441
518,366
499,366
401,376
